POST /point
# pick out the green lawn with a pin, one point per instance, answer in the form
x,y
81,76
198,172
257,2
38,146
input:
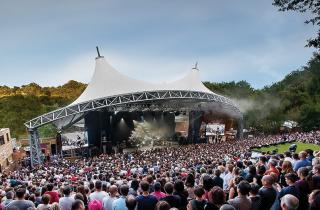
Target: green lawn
x,y
284,147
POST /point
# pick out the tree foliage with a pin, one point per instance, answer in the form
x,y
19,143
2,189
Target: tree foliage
x,y
20,104
309,6
295,98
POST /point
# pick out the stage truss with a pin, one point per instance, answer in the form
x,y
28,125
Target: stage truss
x,y
170,100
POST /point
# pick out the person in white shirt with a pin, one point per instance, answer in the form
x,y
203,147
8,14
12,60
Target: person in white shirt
x,y
65,202
108,201
98,193
288,157
45,203
228,177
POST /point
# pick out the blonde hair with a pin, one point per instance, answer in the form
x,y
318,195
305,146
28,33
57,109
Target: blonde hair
x,y
55,206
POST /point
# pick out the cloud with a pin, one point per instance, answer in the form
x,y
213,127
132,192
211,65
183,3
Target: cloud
x,y
258,66
50,42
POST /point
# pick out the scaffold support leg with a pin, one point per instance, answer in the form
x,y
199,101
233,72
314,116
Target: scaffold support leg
x,y
35,150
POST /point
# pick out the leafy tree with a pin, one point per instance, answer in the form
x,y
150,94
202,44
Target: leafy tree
x,y
48,130
310,6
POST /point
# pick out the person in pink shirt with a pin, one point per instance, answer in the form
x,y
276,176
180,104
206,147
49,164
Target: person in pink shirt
x,y
157,191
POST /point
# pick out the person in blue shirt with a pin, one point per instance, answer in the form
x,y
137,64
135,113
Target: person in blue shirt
x,y
120,203
310,155
291,178
303,162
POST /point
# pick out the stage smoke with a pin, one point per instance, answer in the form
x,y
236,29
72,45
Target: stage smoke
x,y
263,106
148,134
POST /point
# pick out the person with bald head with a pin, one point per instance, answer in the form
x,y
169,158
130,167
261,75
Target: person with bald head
x,y
107,201
289,202
267,193
303,162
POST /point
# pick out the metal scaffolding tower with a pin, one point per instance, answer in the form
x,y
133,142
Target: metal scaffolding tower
x,y
36,156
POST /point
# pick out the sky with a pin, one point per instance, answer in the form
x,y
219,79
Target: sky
x,y
52,42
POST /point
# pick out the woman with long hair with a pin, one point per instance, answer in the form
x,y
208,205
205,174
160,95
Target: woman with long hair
x,y
189,183
285,169
81,189
217,198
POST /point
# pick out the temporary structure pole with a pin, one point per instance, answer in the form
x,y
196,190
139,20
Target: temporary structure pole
x,y
35,150
240,128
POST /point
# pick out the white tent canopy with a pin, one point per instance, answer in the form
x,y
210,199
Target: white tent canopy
x,y
109,88
107,81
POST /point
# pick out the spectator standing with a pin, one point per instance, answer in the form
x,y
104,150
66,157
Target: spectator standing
x,y
303,162
20,203
157,191
267,193
98,194
289,202
131,202
242,202
255,197
54,196
108,200
199,203
173,200
120,203
146,201
217,180
217,198
65,202
182,193
45,203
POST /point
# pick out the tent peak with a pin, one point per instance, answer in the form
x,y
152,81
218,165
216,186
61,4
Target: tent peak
x,y
196,66
99,56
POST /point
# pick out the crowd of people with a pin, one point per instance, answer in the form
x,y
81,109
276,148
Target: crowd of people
x,y
190,177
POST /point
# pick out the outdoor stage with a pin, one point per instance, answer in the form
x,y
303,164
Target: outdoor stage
x,y
112,98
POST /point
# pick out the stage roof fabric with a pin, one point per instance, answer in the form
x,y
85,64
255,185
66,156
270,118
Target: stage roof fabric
x,y
107,81
112,90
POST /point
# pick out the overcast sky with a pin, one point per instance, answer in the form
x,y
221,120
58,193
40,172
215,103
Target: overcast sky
x,y
51,42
